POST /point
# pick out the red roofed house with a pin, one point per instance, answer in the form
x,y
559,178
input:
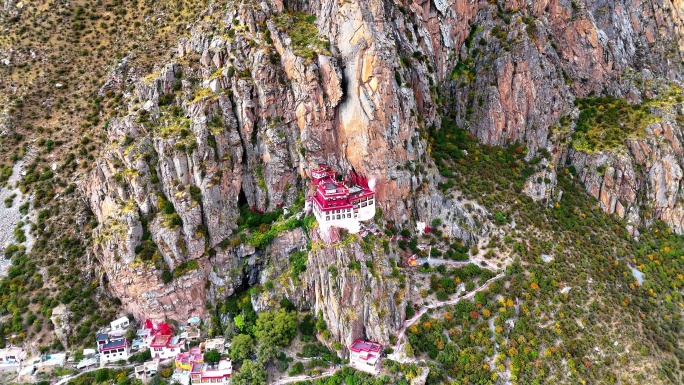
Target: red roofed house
x,y
341,204
365,356
164,346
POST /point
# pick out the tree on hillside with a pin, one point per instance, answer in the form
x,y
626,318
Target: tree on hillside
x,y
308,325
274,329
212,356
241,348
251,373
320,322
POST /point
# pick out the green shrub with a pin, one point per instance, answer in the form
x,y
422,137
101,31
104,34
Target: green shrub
x,y
354,265
166,276
297,369
298,262
5,173
410,312
196,193
19,234
186,267
9,201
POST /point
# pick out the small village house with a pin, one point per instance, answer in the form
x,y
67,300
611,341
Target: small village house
x,y
185,360
147,370
190,333
142,340
165,346
114,349
45,364
49,362
217,344
212,374
120,324
12,356
101,339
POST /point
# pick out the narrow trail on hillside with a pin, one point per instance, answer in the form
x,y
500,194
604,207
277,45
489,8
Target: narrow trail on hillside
x,y
305,377
397,356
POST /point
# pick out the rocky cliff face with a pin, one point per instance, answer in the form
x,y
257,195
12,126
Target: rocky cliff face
x,y
243,118
259,92
523,64
641,183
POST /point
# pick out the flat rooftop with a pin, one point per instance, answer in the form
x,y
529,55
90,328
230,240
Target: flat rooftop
x,y
14,351
116,344
355,189
160,341
365,346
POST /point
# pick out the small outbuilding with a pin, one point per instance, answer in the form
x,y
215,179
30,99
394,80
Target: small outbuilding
x,y
120,324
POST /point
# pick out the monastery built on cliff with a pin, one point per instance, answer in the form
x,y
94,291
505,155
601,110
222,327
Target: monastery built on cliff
x,y
342,204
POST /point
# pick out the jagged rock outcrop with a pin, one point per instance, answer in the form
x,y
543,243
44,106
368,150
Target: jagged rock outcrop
x,y
358,291
10,9
6,122
60,318
531,60
355,291
521,66
198,140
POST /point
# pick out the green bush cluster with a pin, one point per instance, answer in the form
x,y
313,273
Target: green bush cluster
x,y
252,219
262,239
349,376
489,169
171,217
186,267
147,249
103,376
605,123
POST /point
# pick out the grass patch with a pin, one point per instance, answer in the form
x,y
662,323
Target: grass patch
x,y
302,30
185,268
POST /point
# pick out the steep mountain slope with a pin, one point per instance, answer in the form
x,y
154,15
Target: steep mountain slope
x,y
182,170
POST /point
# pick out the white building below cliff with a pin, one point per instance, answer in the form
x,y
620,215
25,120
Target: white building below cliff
x,y
365,356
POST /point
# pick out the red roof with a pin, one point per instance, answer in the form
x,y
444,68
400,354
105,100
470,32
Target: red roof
x,y
160,341
191,356
161,328
365,346
333,195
